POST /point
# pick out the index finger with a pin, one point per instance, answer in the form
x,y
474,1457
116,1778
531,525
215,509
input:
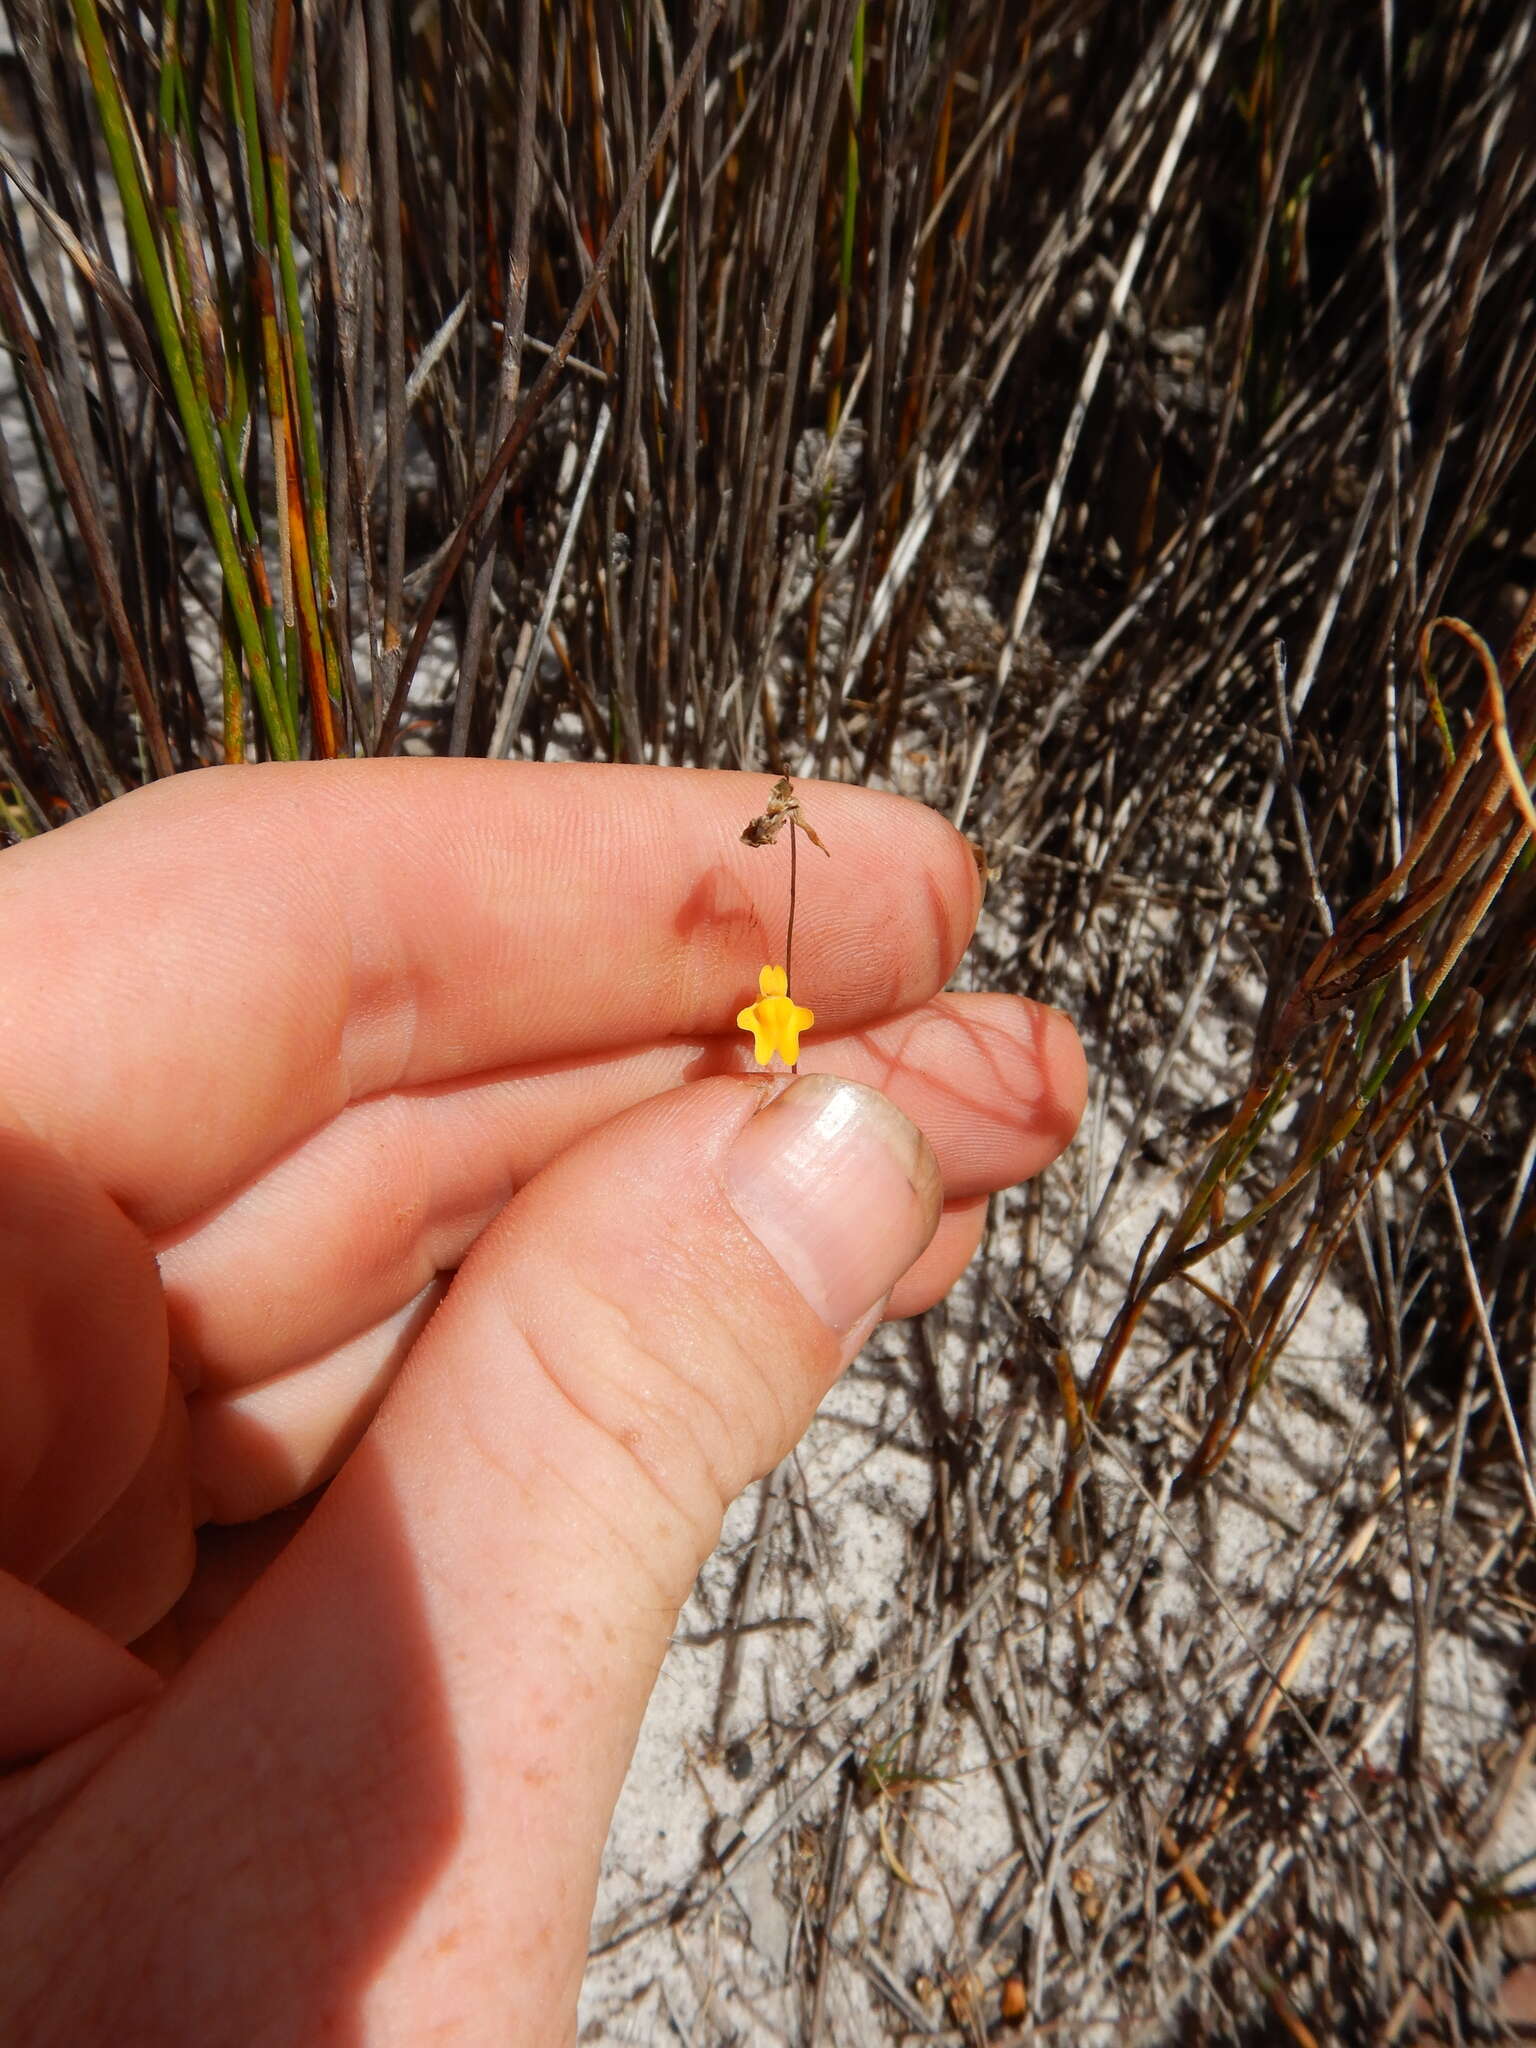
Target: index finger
x,y
207,969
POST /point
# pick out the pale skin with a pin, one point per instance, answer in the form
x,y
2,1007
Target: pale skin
x,y
383,1342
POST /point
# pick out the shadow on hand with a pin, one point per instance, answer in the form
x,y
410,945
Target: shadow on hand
x,y
250,1853
1012,1067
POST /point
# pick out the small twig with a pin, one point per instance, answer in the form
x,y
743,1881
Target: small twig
x,y
515,697
386,158
1277,670
511,370
832,1892
769,1508
73,478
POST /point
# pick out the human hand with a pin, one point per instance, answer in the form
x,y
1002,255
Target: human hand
x,y
284,1050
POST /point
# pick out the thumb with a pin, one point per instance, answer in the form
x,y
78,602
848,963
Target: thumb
x,y
435,1692
649,1328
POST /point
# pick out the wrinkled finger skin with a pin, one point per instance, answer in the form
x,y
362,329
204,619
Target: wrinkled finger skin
x,y
303,1115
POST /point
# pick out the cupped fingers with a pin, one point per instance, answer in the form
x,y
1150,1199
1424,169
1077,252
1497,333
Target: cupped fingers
x,y
350,1228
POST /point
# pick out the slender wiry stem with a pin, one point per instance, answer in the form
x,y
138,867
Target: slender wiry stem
x,y
789,935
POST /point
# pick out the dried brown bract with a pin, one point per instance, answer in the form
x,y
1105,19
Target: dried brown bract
x,y
784,808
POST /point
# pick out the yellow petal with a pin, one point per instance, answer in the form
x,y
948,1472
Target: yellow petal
x,y
791,1027
762,1043
773,981
780,1020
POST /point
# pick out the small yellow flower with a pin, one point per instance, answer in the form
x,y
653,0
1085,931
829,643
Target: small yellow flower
x,y
774,1021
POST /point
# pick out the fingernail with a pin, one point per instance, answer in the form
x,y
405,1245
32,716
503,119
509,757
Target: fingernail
x,y
840,1188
